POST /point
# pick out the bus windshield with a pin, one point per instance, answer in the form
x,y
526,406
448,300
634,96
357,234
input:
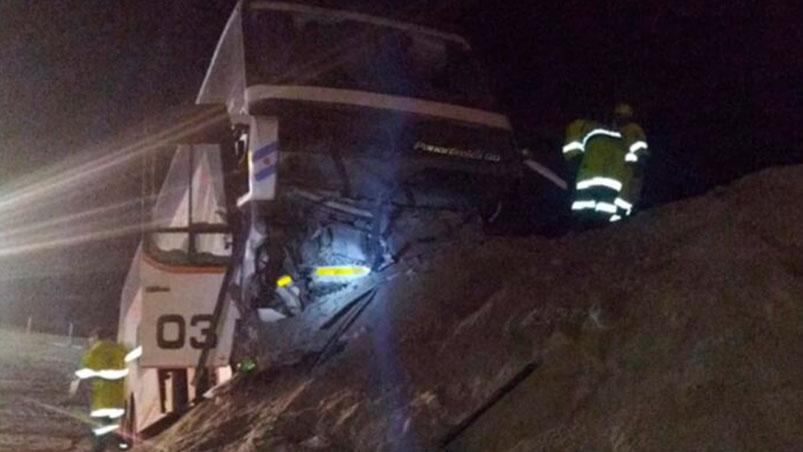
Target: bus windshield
x,y
307,48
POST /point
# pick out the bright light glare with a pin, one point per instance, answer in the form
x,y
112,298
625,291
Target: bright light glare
x,y
53,185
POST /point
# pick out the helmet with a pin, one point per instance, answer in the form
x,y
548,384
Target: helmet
x,y
623,110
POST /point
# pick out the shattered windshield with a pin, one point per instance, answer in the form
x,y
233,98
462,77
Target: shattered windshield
x,y
293,48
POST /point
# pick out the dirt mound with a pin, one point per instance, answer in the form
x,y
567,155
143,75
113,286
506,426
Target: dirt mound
x,y
679,329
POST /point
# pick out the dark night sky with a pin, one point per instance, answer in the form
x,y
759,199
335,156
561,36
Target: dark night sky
x,y
718,86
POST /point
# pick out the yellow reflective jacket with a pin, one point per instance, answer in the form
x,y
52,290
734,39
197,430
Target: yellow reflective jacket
x,y
105,364
607,152
635,142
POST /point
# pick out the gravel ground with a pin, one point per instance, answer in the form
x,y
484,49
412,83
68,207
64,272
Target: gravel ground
x,y
35,413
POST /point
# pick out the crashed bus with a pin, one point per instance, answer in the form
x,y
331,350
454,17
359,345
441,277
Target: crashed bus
x,y
327,146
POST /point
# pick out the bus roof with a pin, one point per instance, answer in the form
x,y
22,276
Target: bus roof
x,y
405,18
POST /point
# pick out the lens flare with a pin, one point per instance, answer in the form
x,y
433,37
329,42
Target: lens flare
x,y
23,203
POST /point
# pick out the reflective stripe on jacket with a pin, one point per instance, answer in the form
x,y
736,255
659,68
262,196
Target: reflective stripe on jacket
x,y
105,364
608,155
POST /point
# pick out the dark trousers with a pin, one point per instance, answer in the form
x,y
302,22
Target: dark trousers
x,y
601,213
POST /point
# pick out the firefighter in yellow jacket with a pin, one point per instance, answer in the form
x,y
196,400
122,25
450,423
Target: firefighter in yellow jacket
x,y
105,364
608,179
